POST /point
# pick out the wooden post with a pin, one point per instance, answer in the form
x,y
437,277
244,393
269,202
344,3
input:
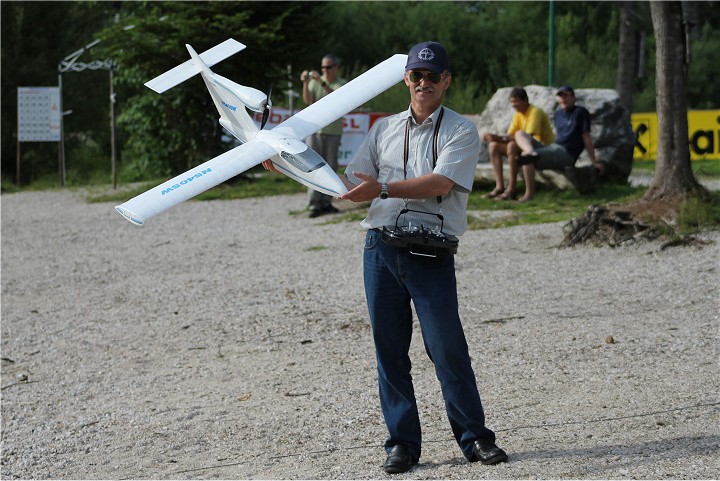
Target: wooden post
x,y
112,131
17,161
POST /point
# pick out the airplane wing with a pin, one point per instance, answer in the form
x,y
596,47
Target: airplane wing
x,y
345,99
199,179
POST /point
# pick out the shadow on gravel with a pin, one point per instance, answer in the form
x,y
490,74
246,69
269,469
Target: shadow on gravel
x,y
625,456
632,454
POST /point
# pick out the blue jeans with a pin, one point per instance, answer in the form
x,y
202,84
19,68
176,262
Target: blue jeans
x,y
393,278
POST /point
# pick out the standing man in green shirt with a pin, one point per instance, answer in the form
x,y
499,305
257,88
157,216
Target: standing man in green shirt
x,y
325,141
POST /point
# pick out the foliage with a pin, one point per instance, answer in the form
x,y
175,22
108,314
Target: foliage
x,y
35,37
586,47
704,71
491,44
172,132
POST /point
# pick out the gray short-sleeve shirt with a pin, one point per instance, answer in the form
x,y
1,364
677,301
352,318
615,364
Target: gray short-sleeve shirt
x,y
381,156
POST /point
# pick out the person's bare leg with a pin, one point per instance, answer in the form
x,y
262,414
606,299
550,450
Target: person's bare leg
x,y
512,154
529,174
496,151
513,151
524,143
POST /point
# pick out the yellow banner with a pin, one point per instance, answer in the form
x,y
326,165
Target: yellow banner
x,y
703,134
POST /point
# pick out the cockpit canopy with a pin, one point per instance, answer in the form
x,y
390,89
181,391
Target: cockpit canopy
x,y
305,161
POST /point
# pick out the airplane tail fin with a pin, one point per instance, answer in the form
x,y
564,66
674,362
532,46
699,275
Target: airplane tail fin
x,y
190,68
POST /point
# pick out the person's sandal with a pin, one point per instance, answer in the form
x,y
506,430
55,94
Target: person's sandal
x,y
507,195
495,192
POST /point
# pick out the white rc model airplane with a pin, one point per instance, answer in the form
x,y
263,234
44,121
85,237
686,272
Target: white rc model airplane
x,y
283,144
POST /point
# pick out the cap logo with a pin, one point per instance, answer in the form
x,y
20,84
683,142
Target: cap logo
x,y
426,54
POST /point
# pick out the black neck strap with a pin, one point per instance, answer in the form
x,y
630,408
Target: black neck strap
x,y
435,145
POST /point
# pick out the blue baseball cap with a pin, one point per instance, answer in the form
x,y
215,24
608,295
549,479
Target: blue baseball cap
x,y
565,89
428,56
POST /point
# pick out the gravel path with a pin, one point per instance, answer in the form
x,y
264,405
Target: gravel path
x,y
229,339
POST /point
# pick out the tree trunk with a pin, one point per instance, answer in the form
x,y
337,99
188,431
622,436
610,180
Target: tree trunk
x,y
674,178
627,56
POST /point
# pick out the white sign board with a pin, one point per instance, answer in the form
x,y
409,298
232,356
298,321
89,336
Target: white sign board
x,y
39,114
355,129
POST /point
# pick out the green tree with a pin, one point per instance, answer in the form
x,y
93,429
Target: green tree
x,y
33,43
169,133
492,45
674,178
704,72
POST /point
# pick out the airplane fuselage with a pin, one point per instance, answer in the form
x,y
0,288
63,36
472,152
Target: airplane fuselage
x,y
301,163
295,159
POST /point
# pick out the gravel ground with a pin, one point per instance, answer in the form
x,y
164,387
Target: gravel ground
x,y
229,339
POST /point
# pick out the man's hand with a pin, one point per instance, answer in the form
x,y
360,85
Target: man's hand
x,y
268,165
488,137
368,190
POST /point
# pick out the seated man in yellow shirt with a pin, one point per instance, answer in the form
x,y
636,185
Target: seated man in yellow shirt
x,y
529,119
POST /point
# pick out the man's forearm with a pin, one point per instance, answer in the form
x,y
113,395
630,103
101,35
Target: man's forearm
x,y
587,140
307,96
429,185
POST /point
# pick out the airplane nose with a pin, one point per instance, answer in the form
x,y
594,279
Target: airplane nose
x,y
329,180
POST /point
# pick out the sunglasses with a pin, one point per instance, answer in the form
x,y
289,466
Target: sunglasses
x,y
327,67
416,77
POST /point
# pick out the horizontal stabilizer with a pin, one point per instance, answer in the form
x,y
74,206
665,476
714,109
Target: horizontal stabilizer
x,y
186,70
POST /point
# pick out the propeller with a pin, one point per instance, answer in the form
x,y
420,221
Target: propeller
x,y
266,111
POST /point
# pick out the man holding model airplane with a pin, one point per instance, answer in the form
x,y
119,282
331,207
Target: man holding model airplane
x,y
410,165
407,166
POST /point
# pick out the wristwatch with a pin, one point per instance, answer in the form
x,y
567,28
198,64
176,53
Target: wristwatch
x,y
384,191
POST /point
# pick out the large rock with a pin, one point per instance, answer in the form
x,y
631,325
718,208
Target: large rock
x,y
612,135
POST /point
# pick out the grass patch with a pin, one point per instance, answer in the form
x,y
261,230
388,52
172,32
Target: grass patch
x,y
355,216
701,168
696,214
316,248
120,195
46,182
549,205
253,183
706,168
256,184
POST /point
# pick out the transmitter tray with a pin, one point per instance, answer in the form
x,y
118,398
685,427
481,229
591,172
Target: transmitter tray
x,y
420,241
